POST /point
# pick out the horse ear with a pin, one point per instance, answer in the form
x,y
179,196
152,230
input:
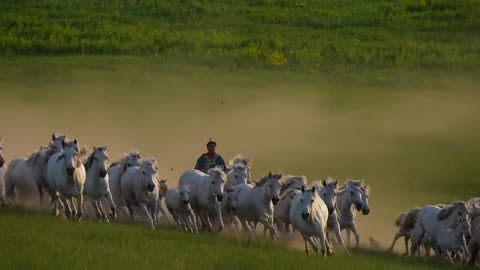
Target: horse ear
x,y
324,183
280,176
53,137
313,189
105,147
94,148
75,141
139,154
303,189
336,183
270,174
63,143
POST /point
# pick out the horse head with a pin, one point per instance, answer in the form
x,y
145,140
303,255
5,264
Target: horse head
x,y
328,193
100,159
272,186
184,191
218,179
148,173
306,202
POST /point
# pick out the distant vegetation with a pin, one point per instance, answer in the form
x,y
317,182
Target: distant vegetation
x,y
288,34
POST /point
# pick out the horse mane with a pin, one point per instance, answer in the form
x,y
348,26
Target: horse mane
x,y
123,160
474,207
32,160
81,152
241,160
44,151
366,189
446,211
349,184
265,179
89,160
291,180
216,172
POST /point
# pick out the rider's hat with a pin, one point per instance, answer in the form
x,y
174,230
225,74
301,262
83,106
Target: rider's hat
x,y
211,142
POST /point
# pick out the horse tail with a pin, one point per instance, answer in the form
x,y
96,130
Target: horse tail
x,y
398,221
410,218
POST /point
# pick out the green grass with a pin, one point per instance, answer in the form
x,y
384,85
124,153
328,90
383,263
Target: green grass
x,y
296,35
34,240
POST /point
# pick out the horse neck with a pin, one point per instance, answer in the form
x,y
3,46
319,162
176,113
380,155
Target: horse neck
x,y
343,202
93,167
451,219
262,190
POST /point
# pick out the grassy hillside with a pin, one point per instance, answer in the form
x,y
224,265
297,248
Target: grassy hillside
x,y
307,35
32,240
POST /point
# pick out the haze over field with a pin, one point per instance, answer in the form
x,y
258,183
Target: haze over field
x,y
410,136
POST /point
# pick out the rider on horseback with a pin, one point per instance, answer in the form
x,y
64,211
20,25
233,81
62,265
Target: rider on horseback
x,y
210,159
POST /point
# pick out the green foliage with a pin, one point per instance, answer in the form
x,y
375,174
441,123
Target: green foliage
x,y
32,240
288,34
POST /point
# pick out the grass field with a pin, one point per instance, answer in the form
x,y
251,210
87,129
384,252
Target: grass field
x,y
385,91
32,240
300,35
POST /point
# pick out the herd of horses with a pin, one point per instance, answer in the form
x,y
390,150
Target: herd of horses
x,y
211,201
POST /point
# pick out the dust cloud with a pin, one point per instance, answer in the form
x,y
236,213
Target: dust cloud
x,y
396,140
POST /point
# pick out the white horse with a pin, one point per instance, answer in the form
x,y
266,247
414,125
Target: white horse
x,y
239,171
255,203
328,193
228,207
281,212
309,215
66,175
349,198
206,195
115,172
433,218
24,176
452,240
177,201
2,174
96,183
287,192
139,189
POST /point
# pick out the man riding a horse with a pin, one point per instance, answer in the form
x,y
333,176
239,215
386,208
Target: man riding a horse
x,y
210,159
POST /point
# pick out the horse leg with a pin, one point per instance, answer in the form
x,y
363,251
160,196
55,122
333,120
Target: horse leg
x,y
113,206
349,234
102,211
162,210
247,227
130,211
269,226
68,210
323,245
306,239
355,233
154,212
473,250
40,193
79,199
143,206
395,238
95,207
338,234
